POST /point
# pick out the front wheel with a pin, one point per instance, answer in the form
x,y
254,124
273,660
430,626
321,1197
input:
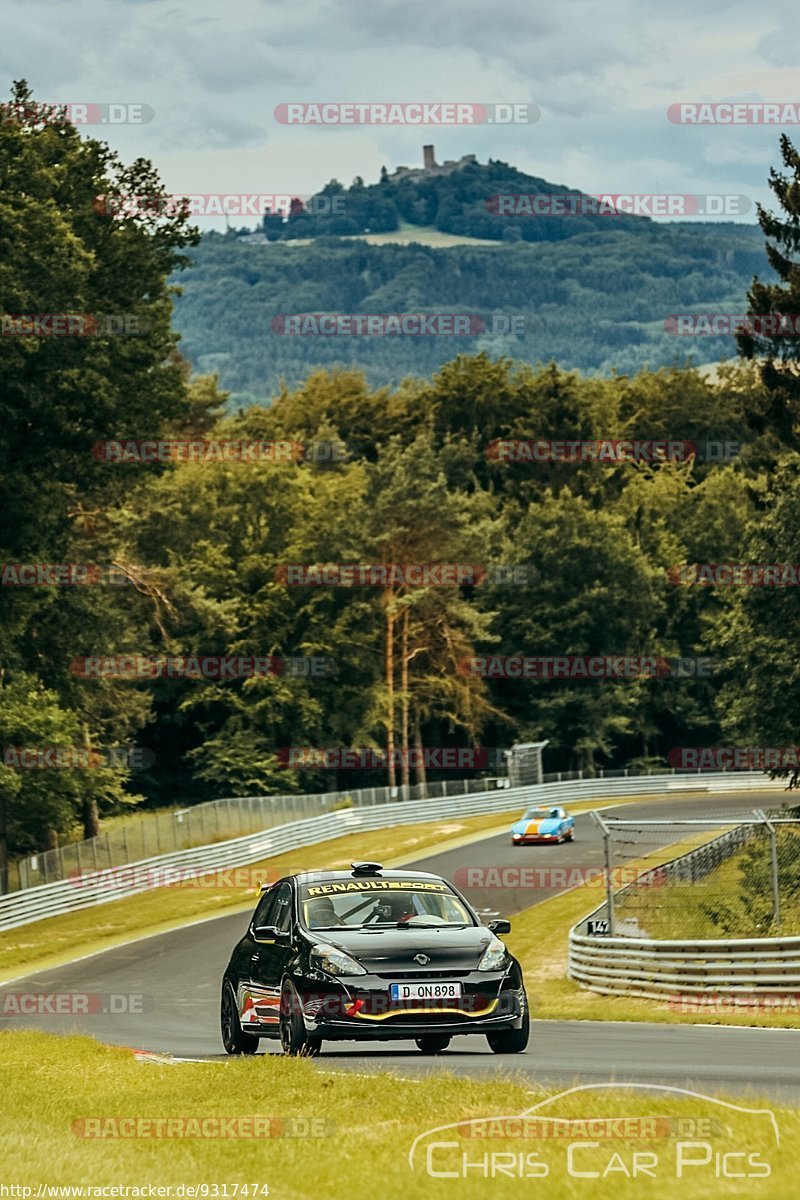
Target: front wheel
x,y
294,1038
433,1043
234,1039
510,1041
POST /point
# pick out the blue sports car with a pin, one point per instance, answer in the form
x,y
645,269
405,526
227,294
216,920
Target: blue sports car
x,y
543,825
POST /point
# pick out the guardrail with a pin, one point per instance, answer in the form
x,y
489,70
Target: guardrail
x,y
166,832
658,970
89,889
663,968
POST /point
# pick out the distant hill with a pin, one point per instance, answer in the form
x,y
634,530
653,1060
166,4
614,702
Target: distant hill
x,y
458,198
590,293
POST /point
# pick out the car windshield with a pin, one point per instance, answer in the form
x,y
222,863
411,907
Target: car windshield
x,y
540,814
372,903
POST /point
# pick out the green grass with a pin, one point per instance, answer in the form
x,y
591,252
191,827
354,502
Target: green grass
x,y
365,1127
406,235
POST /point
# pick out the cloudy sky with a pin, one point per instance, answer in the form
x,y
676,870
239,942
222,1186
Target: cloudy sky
x,y
602,74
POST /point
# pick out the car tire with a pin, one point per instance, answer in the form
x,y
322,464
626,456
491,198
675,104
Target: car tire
x,y
433,1043
510,1041
571,835
234,1039
294,1038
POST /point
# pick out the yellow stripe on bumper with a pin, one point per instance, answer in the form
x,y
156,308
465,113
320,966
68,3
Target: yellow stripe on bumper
x,y
481,1012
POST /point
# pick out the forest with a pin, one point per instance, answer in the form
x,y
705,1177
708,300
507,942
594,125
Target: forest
x,y
179,554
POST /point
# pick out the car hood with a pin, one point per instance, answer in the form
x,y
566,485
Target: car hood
x,y
388,951
534,828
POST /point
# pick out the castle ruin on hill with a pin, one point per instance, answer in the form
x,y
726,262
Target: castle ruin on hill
x,y
430,166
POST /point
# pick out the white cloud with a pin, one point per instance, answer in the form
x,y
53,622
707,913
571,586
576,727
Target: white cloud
x,y
603,76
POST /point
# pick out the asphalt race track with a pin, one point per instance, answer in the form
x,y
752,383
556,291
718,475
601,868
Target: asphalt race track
x,y
177,976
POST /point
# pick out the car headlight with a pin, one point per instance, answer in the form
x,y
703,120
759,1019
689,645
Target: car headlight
x,y
494,956
334,962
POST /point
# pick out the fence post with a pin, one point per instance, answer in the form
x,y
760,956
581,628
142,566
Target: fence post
x,y
607,853
773,853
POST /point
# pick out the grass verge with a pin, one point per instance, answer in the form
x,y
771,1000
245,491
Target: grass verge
x,y
56,1090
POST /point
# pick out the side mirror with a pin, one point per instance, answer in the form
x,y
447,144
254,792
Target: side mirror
x,y
500,926
269,933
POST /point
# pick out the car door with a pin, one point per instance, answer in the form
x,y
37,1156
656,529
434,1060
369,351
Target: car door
x,y
271,952
256,1003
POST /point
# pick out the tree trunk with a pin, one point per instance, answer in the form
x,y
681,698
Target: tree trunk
x,y
3,850
422,777
91,817
390,746
405,763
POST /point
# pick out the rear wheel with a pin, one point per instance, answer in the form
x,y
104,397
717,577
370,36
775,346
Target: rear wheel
x,y
294,1038
433,1043
511,1041
234,1039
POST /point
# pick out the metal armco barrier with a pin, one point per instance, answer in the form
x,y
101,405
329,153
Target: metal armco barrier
x,y
657,970
70,895
662,968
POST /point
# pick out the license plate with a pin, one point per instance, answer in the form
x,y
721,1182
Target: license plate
x,y
425,991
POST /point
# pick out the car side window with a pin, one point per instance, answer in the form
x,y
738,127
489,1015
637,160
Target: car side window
x,y
282,916
267,908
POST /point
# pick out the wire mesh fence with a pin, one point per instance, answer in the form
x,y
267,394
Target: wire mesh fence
x,y
735,876
163,832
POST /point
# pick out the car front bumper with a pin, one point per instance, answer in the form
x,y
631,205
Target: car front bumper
x,y
364,1010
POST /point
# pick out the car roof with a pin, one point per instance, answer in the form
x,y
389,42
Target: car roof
x,y
334,876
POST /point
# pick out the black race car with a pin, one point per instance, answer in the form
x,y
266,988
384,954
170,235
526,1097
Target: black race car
x,y
370,955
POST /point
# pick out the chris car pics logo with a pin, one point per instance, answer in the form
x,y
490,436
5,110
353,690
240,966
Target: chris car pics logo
x,y
607,1132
